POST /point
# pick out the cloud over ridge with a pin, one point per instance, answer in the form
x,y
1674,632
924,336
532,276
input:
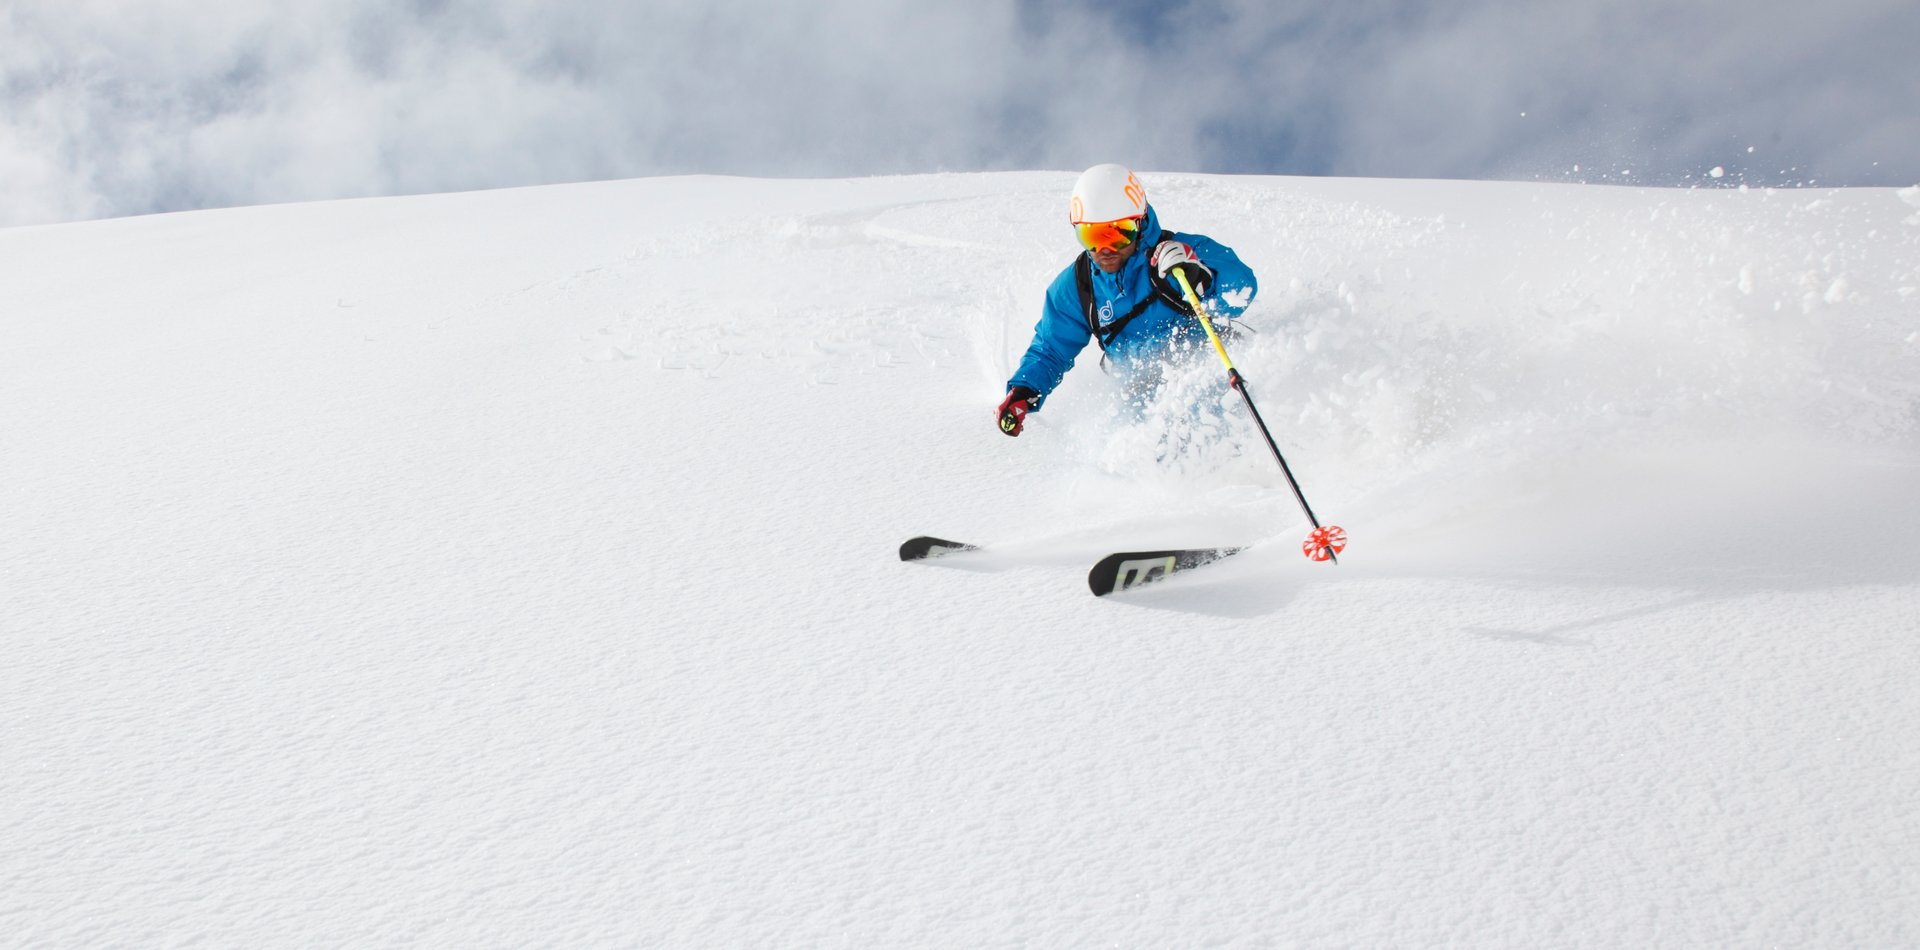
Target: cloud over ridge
x,y
110,107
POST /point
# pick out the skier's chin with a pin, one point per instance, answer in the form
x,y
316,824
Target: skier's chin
x,y
1109,261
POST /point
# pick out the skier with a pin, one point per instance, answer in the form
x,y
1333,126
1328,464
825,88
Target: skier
x,y
1122,296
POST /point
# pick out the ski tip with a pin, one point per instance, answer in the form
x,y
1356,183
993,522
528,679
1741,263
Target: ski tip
x,y
1105,577
924,546
1131,569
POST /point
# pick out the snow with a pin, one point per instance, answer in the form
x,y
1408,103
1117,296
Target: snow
x,y
517,568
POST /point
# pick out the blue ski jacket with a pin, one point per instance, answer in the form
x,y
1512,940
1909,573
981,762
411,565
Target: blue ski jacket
x,y
1063,329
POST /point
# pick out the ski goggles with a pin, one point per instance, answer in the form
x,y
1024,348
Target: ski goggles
x,y
1108,235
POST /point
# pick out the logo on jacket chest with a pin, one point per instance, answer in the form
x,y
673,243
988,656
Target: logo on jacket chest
x,y
1106,307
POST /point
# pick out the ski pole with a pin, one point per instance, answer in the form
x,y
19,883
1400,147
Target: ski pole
x,y
1324,543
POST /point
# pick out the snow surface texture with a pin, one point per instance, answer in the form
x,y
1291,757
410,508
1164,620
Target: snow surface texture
x,y
517,568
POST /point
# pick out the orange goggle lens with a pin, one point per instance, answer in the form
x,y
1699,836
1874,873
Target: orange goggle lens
x,y
1108,235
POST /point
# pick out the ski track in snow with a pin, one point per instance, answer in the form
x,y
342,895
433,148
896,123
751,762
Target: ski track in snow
x,y
517,568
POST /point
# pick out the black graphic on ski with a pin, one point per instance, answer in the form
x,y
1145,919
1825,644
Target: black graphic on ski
x,y
914,549
1134,568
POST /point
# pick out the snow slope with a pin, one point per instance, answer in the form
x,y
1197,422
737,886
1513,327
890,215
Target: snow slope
x,y
517,568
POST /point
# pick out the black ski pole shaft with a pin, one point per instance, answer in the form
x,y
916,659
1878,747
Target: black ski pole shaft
x,y
1240,383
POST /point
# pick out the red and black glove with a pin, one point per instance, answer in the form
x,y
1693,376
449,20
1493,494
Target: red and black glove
x,y
1169,256
1014,409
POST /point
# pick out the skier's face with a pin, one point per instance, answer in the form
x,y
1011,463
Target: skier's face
x,y
1110,260
1110,242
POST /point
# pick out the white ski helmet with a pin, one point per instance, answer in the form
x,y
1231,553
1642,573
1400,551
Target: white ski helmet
x,y
1107,193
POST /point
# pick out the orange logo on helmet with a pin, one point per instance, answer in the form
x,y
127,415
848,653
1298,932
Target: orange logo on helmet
x,y
1079,210
1135,193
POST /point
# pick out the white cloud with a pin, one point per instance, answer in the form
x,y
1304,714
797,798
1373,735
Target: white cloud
x,y
126,107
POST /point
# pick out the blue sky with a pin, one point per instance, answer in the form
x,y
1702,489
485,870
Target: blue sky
x,y
111,107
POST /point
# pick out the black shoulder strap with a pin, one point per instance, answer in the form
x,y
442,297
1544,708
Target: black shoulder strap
x,y
1083,281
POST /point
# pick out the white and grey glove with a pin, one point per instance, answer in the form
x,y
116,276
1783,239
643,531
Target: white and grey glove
x,y
1169,256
